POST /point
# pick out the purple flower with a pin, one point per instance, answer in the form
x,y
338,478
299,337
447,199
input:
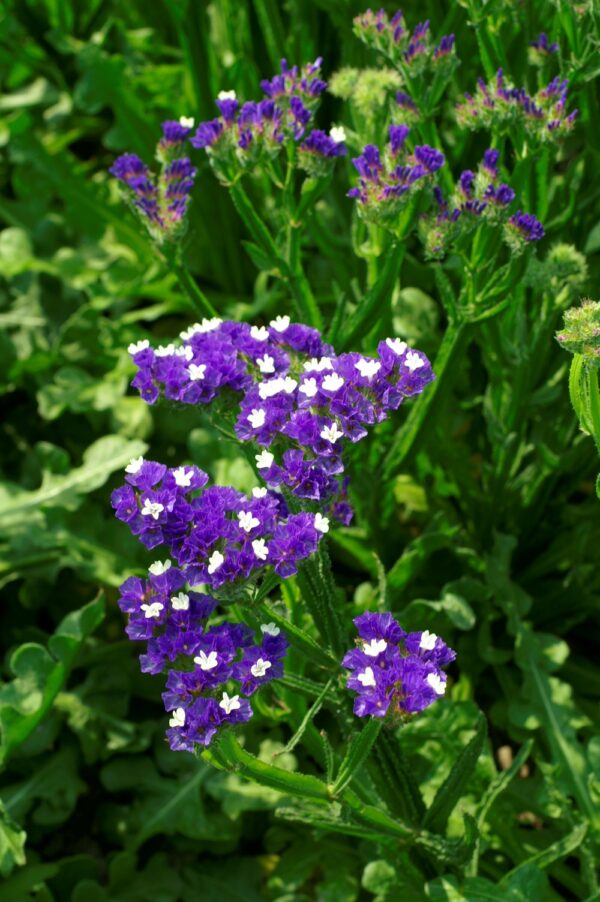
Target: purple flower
x,y
542,46
323,145
393,672
527,226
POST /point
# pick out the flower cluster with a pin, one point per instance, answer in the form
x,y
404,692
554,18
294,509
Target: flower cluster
x,y
245,133
395,673
388,180
318,152
298,400
581,332
203,663
413,51
217,535
500,106
161,201
477,196
541,49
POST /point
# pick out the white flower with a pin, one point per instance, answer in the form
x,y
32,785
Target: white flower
x,y
247,521
260,333
180,602
182,478
230,704
413,361
165,350
309,387
337,134
152,610
260,549
332,382
437,683
259,492
374,648
396,345
215,561
152,509
187,333
266,364
257,418
331,433
269,629
226,95
367,678
321,523
264,460
134,465
280,323
186,352
208,325
207,661
158,568
367,368
260,668
288,385
177,719
317,366
186,121
275,386
196,371
138,346
428,640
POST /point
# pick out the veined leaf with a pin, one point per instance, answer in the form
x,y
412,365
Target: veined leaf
x,y
451,790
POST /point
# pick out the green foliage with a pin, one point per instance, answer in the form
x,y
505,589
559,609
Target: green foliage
x,y
476,508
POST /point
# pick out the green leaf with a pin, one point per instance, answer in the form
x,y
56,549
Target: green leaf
x,y
559,849
357,752
451,791
12,843
376,300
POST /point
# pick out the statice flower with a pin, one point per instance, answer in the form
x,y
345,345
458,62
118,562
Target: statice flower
x,y
478,197
388,180
413,52
210,669
298,402
305,83
216,535
160,200
500,106
580,333
318,152
394,673
541,49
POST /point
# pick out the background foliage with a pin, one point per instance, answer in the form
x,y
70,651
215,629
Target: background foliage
x,y
489,533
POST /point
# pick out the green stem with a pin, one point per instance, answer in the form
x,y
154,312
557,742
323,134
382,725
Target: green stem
x,y
453,344
190,288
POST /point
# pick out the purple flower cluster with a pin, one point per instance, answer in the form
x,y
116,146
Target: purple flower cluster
x,y
243,133
319,151
395,673
217,535
542,46
477,196
161,201
387,180
298,401
501,106
203,663
414,51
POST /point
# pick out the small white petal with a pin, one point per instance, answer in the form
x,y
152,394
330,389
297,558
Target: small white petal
x,y
207,661
374,648
186,121
138,346
180,602
396,345
331,433
134,465
257,418
321,523
226,95
332,382
177,719
215,561
230,704
158,567
337,134
367,678
367,368
260,549
413,361
259,333
259,492
196,371
309,387
260,668
152,509
152,610
437,683
269,629
264,460
165,350
182,478
266,364
247,521
428,640
280,323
